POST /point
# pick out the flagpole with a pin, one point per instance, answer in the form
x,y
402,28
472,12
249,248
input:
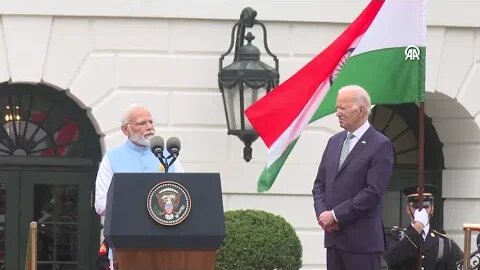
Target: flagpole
x,y
420,173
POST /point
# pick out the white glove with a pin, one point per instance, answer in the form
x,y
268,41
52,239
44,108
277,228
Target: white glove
x,y
421,216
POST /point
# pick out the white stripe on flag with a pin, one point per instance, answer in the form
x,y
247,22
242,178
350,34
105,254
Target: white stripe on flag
x,y
298,125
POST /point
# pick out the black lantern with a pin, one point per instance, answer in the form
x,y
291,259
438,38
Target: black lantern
x,y
245,80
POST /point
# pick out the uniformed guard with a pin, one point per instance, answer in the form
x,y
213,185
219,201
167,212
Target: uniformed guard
x,y
439,252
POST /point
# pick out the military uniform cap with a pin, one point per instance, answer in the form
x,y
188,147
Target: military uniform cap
x,y
412,193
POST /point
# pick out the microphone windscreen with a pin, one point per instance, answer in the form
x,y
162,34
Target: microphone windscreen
x,y
174,144
156,144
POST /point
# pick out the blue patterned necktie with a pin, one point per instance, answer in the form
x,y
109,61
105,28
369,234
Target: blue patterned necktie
x,y
345,149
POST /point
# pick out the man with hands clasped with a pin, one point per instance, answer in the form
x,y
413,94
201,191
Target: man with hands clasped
x,y
351,181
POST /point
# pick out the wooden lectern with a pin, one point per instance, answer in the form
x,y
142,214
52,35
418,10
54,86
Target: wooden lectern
x,y
141,241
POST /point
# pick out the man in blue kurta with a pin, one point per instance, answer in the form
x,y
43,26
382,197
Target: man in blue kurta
x,y
132,156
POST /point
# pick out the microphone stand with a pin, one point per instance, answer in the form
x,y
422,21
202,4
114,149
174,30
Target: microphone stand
x,y
173,158
172,161
163,160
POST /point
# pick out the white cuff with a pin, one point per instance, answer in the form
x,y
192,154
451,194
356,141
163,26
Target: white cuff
x,y
334,217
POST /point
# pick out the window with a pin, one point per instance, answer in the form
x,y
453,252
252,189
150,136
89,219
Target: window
x,y
37,120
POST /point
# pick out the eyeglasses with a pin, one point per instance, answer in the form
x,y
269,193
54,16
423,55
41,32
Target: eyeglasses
x,y
144,123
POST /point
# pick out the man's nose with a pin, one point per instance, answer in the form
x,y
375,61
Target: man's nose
x,y
150,126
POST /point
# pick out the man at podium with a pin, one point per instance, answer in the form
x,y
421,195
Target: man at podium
x,y
132,156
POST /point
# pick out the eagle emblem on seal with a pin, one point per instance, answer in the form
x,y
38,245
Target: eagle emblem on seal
x,y
168,203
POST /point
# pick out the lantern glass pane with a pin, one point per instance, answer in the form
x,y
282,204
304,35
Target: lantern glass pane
x,y
232,103
250,97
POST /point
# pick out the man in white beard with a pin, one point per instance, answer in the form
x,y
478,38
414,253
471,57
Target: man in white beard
x,y
132,156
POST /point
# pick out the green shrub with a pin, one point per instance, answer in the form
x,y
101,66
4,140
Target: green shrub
x,y
258,240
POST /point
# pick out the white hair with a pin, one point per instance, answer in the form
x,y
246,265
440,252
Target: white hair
x,y
128,112
361,95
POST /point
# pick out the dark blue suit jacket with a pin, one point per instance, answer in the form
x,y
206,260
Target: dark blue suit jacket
x,y
355,192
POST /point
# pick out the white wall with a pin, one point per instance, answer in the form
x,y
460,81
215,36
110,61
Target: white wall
x,y
111,53
453,80
171,66
440,12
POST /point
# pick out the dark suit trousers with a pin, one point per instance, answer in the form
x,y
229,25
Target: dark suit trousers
x,y
338,259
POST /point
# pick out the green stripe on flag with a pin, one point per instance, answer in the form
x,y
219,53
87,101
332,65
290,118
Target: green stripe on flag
x,y
269,174
385,74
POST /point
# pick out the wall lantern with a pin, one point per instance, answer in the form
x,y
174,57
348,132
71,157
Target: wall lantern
x,y
246,79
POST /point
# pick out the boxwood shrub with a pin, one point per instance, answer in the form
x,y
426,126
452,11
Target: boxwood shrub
x,y
258,240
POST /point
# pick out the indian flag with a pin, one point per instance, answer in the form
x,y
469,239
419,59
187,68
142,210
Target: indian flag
x,y
383,51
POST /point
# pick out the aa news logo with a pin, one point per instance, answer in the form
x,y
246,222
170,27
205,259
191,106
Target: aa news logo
x,y
412,53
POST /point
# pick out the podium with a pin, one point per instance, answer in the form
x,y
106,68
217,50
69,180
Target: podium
x,y
141,218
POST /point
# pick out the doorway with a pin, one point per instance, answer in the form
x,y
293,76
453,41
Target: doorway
x,y
49,153
59,201
400,124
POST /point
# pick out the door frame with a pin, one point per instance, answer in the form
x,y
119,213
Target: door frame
x,y
88,234
11,179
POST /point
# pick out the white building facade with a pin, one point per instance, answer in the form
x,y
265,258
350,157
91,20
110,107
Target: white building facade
x,y
164,54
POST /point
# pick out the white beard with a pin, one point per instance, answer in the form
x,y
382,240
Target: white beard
x,y
141,140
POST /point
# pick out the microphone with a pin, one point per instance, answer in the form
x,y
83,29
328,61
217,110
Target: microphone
x,y
157,146
173,146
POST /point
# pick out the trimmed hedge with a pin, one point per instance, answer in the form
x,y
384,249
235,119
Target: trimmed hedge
x,y
258,240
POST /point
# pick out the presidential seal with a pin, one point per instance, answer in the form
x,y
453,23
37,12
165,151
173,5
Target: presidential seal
x,y
168,203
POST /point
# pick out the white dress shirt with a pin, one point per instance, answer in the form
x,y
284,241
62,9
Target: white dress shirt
x,y
357,135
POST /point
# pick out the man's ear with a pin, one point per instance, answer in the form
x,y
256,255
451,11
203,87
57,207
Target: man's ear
x,y
125,130
362,110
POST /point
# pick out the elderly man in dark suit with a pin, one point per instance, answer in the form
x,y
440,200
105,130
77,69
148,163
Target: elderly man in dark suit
x,y
352,178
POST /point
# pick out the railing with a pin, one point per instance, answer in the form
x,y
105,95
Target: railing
x,y
470,261
31,258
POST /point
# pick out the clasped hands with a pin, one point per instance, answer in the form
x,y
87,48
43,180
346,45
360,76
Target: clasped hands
x,y
327,221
